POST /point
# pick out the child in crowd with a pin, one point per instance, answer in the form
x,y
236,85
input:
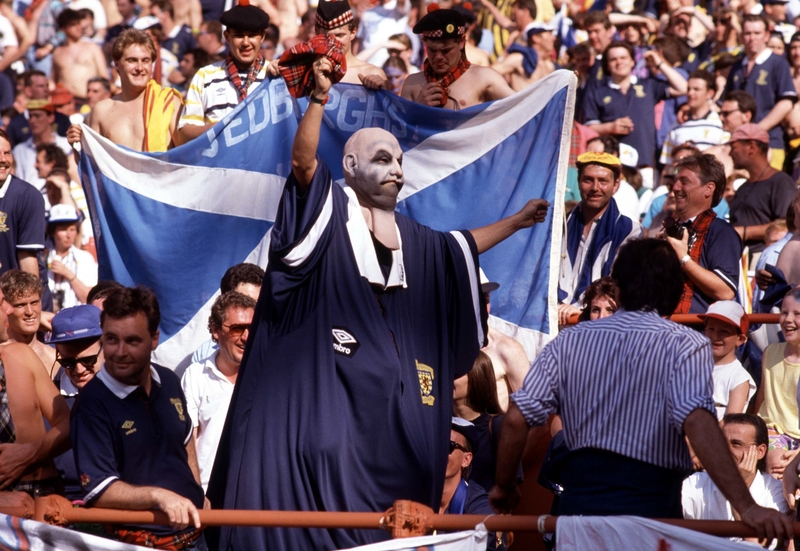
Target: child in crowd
x,y
726,325
776,401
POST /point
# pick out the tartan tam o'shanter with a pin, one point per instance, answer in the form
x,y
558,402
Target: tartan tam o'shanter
x,y
296,63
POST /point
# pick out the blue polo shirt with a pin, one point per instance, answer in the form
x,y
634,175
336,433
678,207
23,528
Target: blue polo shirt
x,y
721,254
605,102
180,41
22,221
119,433
769,82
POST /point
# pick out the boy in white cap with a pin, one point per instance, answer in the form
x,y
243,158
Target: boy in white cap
x,y
726,325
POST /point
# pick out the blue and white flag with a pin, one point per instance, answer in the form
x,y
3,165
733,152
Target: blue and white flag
x,y
176,221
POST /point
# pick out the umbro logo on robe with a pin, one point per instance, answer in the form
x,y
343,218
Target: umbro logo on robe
x,y
344,342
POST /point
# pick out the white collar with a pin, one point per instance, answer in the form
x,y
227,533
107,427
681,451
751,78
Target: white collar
x,y
5,185
364,249
121,390
614,86
66,386
762,57
211,365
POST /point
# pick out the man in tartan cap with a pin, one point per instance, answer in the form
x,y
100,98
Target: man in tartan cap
x,y
448,79
233,78
335,18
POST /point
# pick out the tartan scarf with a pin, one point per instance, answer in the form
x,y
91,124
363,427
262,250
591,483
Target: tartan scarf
x,y
449,78
700,228
252,74
169,542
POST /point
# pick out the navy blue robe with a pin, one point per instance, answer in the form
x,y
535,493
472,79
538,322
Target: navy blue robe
x,y
344,397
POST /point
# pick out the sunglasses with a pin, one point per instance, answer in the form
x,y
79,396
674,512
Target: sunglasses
x,y
236,331
71,363
456,446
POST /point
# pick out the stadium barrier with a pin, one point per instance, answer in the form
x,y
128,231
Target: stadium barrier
x,y
404,519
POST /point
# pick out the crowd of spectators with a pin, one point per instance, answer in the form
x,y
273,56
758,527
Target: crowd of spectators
x,y
687,128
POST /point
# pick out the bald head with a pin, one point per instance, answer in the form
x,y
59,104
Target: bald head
x,y
373,168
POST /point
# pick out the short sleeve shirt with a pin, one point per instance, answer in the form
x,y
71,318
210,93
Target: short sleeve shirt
x,y
757,203
768,82
180,41
22,221
606,103
212,95
120,433
721,254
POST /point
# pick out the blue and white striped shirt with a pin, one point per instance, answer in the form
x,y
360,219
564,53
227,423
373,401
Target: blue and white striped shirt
x,y
625,384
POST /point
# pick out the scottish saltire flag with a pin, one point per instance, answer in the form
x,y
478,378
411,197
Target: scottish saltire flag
x,y
18,534
176,221
612,533
470,540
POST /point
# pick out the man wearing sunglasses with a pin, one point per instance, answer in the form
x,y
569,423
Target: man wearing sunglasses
x,y
208,384
76,336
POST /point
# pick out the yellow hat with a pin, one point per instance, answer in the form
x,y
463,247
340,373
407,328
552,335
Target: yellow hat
x,y
598,158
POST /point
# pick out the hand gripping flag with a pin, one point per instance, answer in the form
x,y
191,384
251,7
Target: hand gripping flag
x,y
175,221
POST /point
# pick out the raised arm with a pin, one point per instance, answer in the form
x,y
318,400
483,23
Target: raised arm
x,y
306,140
487,237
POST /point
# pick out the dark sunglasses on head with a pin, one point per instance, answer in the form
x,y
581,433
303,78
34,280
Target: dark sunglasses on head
x,y
456,446
71,363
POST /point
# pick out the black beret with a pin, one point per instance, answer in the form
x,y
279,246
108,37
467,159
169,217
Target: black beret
x,y
332,14
439,23
245,17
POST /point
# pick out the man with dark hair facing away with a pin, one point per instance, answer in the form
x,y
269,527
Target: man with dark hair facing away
x,y
656,377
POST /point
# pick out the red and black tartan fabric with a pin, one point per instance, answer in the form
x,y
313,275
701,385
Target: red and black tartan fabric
x,y
296,64
449,78
143,538
252,75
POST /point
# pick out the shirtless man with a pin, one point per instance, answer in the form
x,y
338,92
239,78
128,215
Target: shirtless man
x,y
336,19
514,67
119,118
27,449
448,79
23,292
508,357
78,60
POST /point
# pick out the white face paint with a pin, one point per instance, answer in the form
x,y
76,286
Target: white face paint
x,y
373,168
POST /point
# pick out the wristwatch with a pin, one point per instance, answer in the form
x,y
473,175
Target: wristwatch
x,y
686,258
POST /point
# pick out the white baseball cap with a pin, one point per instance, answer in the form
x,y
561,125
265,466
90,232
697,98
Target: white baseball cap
x,y
729,311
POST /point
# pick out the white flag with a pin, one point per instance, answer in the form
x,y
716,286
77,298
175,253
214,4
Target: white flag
x,y
614,533
471,540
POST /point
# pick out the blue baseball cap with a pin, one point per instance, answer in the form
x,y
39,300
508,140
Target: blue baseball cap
x,y
78,322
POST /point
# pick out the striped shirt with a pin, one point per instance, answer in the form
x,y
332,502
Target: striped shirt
x,y
703,133
625,384
211,94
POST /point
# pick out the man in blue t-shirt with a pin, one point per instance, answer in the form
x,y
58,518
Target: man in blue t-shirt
x,y
768,78
131,431
623,105
343,400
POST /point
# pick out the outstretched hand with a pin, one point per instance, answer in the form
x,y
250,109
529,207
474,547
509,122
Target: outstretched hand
x,y
534,212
